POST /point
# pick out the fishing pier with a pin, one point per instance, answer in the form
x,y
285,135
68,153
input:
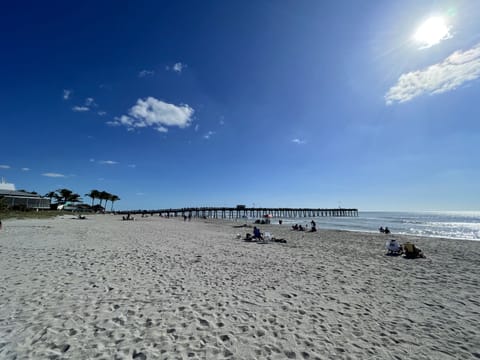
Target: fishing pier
x,y
247,212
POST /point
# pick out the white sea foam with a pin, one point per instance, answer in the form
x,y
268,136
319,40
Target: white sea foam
x,y
463,225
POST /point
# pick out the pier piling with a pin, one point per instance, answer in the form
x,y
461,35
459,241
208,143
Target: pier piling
x,y
244,212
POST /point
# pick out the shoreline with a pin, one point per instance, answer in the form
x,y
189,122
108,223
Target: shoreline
x,y
287,227
321,223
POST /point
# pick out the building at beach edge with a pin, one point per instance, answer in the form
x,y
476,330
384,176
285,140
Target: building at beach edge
x,y
14,199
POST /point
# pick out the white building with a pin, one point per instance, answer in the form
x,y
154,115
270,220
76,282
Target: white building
x,y
6,186
21,199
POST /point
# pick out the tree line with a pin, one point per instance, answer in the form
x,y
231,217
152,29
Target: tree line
x,y
63,196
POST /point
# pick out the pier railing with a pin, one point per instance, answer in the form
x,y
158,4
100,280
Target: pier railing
x,y
235,212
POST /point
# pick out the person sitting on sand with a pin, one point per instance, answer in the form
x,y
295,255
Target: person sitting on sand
x,y
412,252
313,228
381,229
394,248
128,217
295,227
301,228
387,230
257,234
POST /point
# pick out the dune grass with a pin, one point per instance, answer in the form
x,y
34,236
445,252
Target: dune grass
x,y
15,214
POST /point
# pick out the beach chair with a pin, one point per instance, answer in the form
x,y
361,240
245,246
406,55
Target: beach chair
x,y
393,247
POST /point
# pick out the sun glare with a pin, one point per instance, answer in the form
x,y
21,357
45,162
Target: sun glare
x,y
432,31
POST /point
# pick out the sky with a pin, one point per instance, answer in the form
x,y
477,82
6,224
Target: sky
x,y
362,104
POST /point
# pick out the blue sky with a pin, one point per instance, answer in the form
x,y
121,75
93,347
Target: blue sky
x,y
265,103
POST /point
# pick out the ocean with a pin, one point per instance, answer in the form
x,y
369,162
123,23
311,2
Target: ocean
x,y
464,225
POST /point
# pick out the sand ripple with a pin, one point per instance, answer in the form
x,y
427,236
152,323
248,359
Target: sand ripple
x,y
165,289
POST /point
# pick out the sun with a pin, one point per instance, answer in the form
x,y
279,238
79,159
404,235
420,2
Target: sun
x,y
432,31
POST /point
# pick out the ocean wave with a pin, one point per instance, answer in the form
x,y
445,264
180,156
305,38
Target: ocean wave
x,y
453,225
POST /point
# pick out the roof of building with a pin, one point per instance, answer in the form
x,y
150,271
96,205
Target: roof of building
x,y
19,194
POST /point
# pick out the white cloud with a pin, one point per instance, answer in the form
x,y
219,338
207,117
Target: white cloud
x,y
92,160
80,108
151,112
90,102
197,127
145,73
122,120
108,162
161,129
177,67
25,169
102,113
53,175
66,94
457,69
133,166
298,141
208,135
4,166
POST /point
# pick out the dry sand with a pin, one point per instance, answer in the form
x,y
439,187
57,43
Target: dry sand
x,y
159,288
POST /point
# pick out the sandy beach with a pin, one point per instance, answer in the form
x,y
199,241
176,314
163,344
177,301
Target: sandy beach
x,y
157,288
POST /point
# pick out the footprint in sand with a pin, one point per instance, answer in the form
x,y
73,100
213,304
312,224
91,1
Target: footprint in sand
x,y
204,322
224,338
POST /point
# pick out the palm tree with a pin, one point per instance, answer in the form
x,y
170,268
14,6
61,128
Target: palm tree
x,y
51,195
64,195
104,196
74,198
94,194
113,198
